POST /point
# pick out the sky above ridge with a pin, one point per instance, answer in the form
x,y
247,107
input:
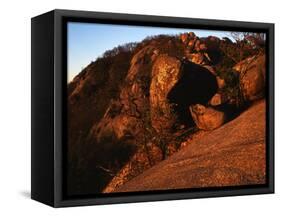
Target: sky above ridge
x,y
87,41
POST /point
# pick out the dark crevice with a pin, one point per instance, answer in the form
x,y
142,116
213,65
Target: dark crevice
x,y
197,85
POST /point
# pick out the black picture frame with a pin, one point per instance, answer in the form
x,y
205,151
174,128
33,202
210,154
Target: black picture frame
x,y
48,69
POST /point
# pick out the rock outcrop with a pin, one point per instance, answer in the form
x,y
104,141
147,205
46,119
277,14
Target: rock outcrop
x,y
124,113
197,85
252,77
212,160
139,104
166,72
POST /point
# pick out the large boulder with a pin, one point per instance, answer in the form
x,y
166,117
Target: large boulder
x,y
252,77
207,118
166,72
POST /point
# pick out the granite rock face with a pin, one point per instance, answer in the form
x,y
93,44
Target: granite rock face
x,y
252,77
213,160
166,72
143,103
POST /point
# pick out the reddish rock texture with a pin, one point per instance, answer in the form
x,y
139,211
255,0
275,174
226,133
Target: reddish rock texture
x,y
130,110
166,72
207,118
232,155
252,77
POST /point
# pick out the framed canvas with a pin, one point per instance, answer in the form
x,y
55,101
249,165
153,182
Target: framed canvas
x,y
131,108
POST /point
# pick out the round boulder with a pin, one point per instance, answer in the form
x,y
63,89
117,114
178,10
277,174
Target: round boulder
x,y
252,79
207,118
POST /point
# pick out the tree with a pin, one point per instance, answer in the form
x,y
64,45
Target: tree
x,y
248,43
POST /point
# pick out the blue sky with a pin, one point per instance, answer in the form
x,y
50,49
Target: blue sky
x,y
87,41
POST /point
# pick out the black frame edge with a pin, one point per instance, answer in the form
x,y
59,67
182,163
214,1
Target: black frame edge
x,y
59,201
271,98
42,94
199,22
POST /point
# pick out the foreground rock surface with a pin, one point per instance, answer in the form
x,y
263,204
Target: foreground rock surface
x,y
213,160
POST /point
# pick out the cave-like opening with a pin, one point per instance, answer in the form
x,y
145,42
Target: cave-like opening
x,y
196,85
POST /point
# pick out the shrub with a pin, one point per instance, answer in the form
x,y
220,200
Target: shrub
x,y
232,87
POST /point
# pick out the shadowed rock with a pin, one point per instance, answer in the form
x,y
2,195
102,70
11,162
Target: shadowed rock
x,y
196,85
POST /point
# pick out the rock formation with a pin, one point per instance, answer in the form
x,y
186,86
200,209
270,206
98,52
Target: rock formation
x,y
212,160
140,104
252,77
166,72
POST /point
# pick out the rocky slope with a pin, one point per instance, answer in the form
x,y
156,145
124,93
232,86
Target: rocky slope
x,y
213,160
141,103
